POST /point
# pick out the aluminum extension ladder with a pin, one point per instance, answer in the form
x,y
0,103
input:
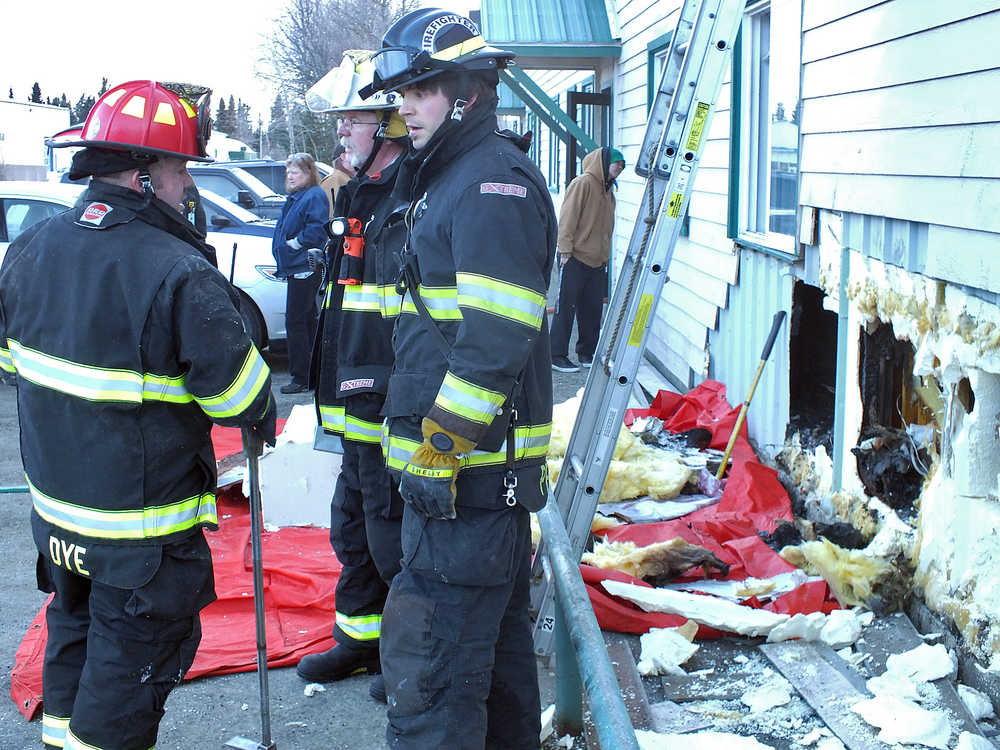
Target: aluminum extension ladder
x,y
676,131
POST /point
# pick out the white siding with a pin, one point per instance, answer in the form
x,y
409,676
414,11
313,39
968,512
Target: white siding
x,y
899,118
704,263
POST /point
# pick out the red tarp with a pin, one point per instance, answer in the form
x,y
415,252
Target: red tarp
x,y
300,575
301,571
753,501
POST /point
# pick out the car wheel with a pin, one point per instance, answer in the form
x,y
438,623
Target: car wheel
x,y
253,321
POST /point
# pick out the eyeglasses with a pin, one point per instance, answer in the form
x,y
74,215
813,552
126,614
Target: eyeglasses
x,y
350,123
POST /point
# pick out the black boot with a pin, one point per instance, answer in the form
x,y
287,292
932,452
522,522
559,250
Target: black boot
x,y
337,663
376,689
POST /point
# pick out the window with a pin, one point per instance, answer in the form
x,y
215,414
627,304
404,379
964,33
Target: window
x,y
21,213
766,65
217,183
656,54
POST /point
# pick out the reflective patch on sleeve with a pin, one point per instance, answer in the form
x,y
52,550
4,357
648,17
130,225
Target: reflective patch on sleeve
x,y
503,188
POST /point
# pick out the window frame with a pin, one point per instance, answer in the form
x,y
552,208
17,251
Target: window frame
x,y
745,118
658,46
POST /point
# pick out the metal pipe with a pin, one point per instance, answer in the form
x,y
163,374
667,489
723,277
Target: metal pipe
x,y
13,490
611,719
569,689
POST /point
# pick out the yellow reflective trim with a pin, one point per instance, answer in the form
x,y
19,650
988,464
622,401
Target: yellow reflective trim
x,y
441,302
530,442
6,361
164,114
468,400
361,430
332,418
188,109
237,397
360,627
136,106
510,301
361,298
74,379
147,523
462,48
54,730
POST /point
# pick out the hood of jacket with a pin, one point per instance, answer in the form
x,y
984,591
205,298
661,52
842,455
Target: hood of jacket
x,y
587,216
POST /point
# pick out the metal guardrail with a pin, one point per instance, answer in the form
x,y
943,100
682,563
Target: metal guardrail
x,y
580,649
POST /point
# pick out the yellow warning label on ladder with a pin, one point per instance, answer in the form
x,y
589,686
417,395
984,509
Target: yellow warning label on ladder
x,y
674,206
697,126
641,320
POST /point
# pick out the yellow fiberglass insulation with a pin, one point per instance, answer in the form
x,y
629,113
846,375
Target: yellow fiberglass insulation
x,y
853,575
636,469
657,562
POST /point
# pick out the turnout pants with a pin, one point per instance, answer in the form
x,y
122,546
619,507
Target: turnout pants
x,y
582,290
114,654
457,654
365,518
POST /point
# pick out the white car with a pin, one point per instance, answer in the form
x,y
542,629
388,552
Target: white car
x,y
262,295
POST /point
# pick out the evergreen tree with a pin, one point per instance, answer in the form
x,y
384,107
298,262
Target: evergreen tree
x,y
104,88
11,95
63,101
82,108
277,131
36,93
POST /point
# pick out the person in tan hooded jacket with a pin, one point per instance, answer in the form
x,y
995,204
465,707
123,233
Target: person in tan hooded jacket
x,y
586,222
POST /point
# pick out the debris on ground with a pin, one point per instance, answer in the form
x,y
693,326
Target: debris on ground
x,y
656,563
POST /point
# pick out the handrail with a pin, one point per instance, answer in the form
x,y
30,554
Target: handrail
x,y
611,719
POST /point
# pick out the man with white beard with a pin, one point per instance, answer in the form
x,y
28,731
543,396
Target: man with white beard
x,y
352,364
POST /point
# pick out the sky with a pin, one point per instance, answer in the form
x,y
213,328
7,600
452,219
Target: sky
x,y
67,47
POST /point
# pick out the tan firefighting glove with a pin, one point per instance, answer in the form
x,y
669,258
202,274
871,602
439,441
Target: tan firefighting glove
x,y
428,481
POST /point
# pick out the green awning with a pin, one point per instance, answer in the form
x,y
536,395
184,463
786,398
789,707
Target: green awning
x,y
550,33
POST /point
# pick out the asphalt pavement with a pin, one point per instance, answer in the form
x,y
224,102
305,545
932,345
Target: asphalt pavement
x,y
206,712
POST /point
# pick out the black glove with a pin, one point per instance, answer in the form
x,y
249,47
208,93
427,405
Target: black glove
x,y
264,430
316,259
428,480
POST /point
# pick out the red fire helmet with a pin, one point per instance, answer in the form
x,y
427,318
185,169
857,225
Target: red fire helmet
x,y
169,119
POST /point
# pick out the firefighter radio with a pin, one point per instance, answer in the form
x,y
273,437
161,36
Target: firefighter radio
x,y
352,264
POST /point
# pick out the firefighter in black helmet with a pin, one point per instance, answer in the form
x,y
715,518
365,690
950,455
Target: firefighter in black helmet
x,y
469,403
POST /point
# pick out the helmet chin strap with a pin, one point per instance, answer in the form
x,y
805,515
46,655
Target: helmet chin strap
x,y
377,140
146,183
458,109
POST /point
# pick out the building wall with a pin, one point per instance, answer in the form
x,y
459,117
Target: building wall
x,y
899,147
704,263
23,130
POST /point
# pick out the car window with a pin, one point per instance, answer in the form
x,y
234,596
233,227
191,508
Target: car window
x,y
224,185
220,206
271,175
252,182
21,213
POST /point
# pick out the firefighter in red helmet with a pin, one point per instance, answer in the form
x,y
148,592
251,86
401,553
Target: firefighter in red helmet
x,y
126,344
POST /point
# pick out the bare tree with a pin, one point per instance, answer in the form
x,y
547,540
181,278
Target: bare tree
x,y
309,39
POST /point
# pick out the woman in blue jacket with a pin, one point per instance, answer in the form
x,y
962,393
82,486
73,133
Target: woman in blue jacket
x,y
299,230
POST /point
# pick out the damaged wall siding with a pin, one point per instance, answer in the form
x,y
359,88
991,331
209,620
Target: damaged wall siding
x,y
956,336
899,148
